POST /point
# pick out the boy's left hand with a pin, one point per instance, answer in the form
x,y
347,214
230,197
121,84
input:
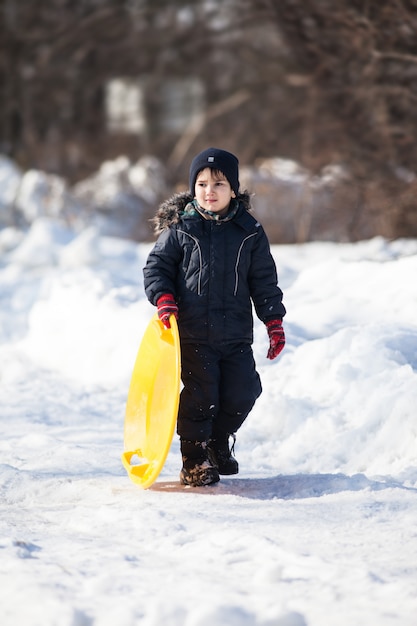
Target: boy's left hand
x,y
276,338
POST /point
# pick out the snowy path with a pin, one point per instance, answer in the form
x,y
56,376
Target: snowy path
x,y
318,529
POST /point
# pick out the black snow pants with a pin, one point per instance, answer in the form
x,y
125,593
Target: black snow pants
x,y
221,386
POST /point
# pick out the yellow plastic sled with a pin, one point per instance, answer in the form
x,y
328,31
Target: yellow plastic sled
x,y
152,403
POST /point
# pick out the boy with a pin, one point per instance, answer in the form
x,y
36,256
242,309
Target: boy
x,y
211,261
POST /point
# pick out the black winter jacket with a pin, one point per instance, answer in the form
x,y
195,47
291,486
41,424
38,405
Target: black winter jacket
x,y
214,269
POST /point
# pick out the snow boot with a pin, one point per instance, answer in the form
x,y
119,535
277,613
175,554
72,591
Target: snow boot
x,y
221,455
197,470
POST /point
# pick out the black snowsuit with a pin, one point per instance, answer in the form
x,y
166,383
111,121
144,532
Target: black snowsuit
x,y
215,270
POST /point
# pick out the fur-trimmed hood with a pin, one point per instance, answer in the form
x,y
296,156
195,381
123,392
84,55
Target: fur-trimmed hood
x,y
170,211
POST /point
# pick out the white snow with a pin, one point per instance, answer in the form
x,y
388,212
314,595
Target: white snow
x,y
319,527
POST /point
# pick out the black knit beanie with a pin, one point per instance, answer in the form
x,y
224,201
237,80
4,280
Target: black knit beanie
x,y
216,159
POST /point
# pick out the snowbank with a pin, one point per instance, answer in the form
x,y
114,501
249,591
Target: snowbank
x,y
318,527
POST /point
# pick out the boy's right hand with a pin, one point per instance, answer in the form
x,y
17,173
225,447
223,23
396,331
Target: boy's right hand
x,y
166,307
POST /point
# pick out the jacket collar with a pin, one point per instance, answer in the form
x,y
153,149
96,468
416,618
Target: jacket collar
x,y
171,211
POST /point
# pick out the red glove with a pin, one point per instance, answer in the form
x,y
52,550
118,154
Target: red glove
x,y
276,338
167,307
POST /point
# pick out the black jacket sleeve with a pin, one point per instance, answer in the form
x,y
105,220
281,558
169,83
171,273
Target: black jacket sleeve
x,y
263,280
160,270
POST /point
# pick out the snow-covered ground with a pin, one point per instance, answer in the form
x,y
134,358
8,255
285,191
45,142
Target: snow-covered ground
x,y
319,527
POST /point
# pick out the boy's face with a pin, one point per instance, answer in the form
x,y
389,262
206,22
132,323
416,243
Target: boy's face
x,y
213,191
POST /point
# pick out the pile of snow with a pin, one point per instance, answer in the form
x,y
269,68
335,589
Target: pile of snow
x,y
121,194
10,177
116,200
296,205
318,527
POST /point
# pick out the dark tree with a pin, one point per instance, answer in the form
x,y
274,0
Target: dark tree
x,y
318,81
